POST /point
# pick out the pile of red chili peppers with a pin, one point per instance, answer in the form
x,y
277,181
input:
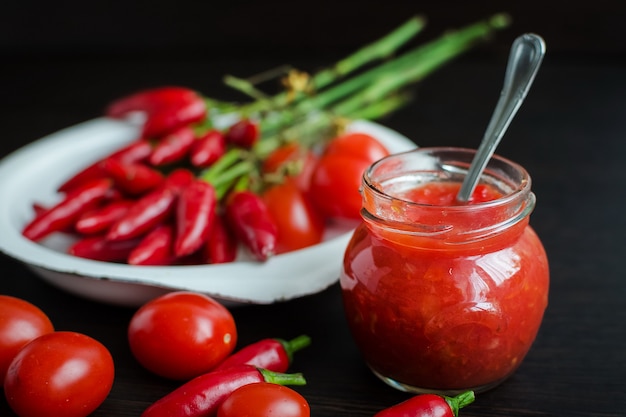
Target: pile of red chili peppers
x,y
149,204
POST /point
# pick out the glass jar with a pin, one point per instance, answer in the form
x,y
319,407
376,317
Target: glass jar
x,y
444,297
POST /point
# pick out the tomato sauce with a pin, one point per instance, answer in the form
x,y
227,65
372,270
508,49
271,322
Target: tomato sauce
x,y
450,307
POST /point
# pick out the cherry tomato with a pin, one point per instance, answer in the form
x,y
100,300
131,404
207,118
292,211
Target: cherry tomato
x,y
293,160
20,322
335,186
64,374
299,224
182,334
357,145
264,399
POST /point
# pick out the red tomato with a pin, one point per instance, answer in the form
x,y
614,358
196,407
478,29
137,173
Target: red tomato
x,y
357,145
182,334
296,161
59,374
264,399
20,322
335,186
299,224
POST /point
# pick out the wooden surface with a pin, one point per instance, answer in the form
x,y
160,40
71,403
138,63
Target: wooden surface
x,y
569,134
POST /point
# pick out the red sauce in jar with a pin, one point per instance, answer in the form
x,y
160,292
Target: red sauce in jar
x,y
450,309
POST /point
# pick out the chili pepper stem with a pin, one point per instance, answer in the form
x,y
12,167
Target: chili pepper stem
x,y
295,344
226,161
460,401
281,378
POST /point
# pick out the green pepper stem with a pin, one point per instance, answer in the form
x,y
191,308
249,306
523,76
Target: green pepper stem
x,y
281,378
460,401
245,87
226,161
295,344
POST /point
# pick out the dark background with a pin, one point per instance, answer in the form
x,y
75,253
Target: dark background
x,y
283,28
63,61
80,55
59,54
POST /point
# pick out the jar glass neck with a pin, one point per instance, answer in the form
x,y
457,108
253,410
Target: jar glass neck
x,y
386,206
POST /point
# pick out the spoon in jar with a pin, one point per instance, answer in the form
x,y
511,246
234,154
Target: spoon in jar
x,y
524,60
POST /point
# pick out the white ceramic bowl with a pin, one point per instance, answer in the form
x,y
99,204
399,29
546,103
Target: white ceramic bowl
x,y
33,173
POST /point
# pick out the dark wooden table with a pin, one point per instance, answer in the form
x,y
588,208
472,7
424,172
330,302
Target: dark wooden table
x,y
570,135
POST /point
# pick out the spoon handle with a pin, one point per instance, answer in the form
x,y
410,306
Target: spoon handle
x,y
524,60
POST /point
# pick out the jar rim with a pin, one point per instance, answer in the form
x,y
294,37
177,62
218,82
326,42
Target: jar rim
x,y
454,223
522,189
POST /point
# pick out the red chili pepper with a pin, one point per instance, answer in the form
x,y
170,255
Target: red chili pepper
x,y
195,214
99,248
39,210
100,219
173,147
207,149
201,396
244,133
429,405
221,246
272,354
132,178
179,178
152,209
136,151
252,224
166,108
155,248
64,214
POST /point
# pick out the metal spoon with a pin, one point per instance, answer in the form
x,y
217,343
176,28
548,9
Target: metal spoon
x,y
524,60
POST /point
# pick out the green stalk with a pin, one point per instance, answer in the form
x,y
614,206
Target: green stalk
x,y
379,49
245,87
212,173
380,108
415,64
431,57
228,176
378,82
308,131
